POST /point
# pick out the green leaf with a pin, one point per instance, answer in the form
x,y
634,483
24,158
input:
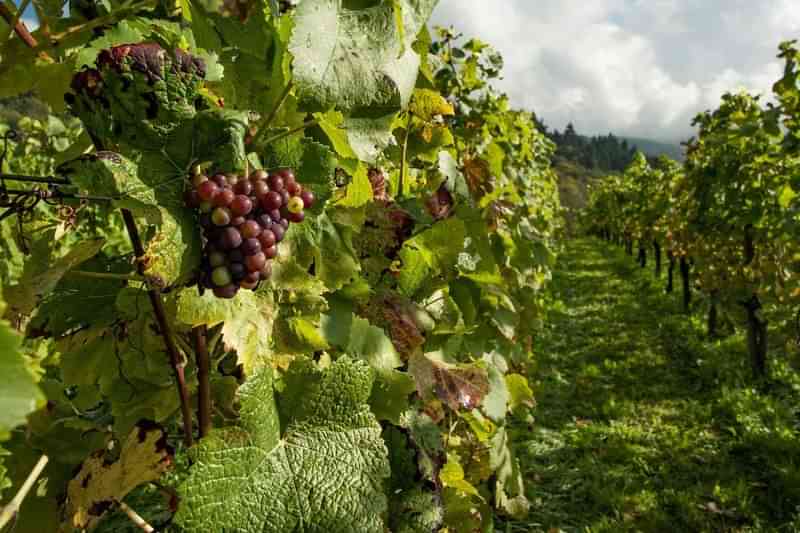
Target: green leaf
x,y
786,196
431,252
359,192
317,472
44,269
452,475
496,401
122,33
20,394
353,59
509,485
520,393
247,319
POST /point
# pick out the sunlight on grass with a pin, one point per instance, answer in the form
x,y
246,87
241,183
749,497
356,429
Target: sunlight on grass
x,y
642,423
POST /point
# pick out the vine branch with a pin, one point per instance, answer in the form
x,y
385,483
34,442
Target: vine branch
x,y
203,379
164,328
11,510
19,27
278,105
140,522
403,157
292,131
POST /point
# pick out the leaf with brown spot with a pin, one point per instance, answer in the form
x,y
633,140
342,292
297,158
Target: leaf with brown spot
x,y
460,386
476,172
100,483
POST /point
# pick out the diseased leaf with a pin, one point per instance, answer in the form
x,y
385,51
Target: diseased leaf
x,y
462,386
99,485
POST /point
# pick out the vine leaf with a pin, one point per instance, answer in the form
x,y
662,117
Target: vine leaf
x,y
461,386
21,395
317,463
356,59
44,269
509,484
247,319
99,484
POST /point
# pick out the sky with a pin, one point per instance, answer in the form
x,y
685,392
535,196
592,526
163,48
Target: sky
x,y
640,68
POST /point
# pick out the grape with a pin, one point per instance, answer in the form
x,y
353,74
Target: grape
x,y
221,216
227,292
260,189
238,271
236,256
286,174
221,276
275,183
241,205
278,230
295,205
308,199
293,188
250,247
267,238
207,190
258,175
216,259
223,198
272,200
230,238
243,220
249,285
250,229
243,187
256,262
265,221
191,199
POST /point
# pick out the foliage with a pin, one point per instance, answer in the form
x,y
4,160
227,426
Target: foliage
x,y
422,264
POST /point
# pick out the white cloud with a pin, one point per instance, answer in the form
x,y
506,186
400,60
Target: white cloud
x,y
634,67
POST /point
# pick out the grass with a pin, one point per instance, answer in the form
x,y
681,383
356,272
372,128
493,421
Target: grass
x,y
644,425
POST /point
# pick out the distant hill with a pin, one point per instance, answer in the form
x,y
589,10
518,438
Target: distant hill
x,y
656,148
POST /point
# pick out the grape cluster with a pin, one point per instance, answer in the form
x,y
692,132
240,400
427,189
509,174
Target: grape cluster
x,y
243,220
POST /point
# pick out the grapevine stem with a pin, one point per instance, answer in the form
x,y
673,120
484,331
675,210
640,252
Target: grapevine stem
x,y
284,95
35,179
136,518
292,131
164,328
203,379
403,157
107,275
19,27
11,510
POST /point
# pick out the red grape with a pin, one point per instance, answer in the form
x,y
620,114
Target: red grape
x,y
256,262
260,189
258,175
275,183
286,174
271,252
220,179
223,197
308,198
207,190
241,205
293,188
278,230
250,247
238,271
243,187
230,238
272,200
297,217
227,292
191,199
267,238
221,276
250,229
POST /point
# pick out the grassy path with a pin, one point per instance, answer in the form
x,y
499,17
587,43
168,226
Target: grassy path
x,y
643,425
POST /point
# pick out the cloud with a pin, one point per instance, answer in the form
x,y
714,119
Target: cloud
x,y
634,67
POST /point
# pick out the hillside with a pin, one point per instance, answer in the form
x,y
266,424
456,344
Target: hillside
x,y
656,148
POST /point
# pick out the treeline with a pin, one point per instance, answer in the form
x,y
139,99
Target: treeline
x,y
604,153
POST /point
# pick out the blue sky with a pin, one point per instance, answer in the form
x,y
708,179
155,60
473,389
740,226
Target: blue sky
x,y
634,67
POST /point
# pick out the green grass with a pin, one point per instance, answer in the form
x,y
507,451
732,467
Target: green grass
x,y
644,425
